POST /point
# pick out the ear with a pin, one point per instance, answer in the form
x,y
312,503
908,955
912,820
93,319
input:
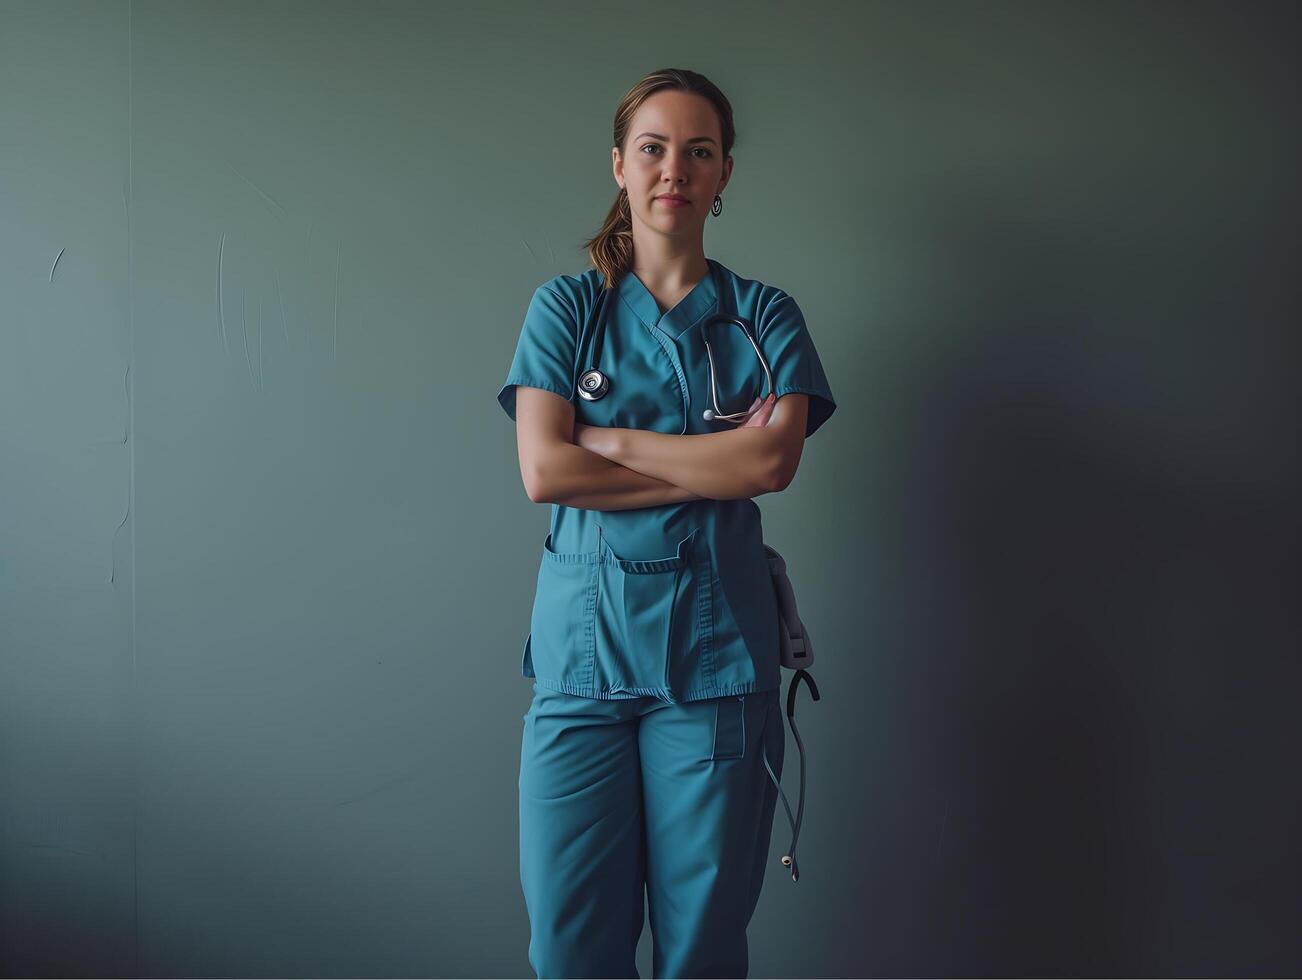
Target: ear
x,y
617,165
727,175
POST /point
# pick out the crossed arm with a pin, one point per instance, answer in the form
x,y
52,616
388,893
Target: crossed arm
x,y
599,468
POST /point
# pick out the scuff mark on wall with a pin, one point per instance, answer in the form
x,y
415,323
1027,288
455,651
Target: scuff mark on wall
x,y
548,240
221,310
526,245
56,261
383,786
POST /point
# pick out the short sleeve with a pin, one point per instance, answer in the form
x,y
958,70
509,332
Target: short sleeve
x,y
784,339
546,352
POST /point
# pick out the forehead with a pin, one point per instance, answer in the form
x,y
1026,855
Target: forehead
x,y
675,114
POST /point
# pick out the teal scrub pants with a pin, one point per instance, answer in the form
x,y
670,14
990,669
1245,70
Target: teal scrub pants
x,y
622,796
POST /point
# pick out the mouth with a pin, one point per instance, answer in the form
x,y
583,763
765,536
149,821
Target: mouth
x,y
672,199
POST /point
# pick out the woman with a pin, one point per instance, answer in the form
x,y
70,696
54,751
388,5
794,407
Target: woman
x,y
653,641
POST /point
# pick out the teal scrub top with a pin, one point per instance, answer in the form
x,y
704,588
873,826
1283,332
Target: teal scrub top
x,y
673,601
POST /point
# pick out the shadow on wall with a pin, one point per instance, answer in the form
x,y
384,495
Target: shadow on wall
x,y
1093,554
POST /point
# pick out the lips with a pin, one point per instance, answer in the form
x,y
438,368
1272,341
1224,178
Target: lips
x,y
675,198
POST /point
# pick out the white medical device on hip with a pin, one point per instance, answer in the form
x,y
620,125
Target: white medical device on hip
x,y
594,384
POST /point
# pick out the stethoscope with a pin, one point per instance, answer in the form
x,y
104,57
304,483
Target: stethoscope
x,y
594,384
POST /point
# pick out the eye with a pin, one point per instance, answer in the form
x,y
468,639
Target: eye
x,y
701,148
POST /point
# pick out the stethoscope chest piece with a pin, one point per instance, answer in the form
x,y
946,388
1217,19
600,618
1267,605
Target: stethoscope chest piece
x,y
593,385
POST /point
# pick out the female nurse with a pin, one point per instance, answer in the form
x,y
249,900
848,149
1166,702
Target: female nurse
x,y
653,640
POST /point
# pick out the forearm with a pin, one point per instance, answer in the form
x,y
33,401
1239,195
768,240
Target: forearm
x,y
576,477
725,465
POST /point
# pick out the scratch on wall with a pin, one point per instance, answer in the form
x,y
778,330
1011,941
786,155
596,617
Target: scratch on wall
x,y
262,372
113,561
244,320
548,240
338,252
221,310
59,849
307,259
56,261
943,820
127,511
526,245
126,391
267,197
280,299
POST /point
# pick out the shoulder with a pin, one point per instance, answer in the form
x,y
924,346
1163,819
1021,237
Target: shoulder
x,y
575,289
569,296
758,300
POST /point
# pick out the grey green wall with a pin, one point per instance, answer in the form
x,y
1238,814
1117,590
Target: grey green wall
x,y
266,560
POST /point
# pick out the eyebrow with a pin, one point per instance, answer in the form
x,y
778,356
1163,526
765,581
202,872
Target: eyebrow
x,y
694,139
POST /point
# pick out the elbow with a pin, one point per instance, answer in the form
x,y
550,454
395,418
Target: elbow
x,y
779,474
539,471
536,491
535,486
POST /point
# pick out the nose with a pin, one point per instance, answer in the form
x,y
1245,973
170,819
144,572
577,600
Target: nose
x,y
675,170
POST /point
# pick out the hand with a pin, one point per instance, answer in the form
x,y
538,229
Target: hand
x,y
758,417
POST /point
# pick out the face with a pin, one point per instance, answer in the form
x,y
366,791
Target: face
x,y
665,157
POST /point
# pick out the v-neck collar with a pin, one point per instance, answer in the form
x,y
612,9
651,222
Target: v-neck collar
x,y
685,313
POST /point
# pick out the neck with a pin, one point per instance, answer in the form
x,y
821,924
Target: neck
x,y
667,263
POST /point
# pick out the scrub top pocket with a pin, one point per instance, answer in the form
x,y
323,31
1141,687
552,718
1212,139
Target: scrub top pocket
x,y
559,647
653,627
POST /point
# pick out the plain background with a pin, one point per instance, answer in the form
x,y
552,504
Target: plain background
x,y
266,561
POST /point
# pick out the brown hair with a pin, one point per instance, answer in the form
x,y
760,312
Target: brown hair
x,y
611,249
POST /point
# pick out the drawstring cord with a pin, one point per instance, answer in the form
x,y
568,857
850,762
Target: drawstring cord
x,y
789,859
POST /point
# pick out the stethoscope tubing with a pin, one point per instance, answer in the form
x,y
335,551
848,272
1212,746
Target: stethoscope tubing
x,y
715,414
